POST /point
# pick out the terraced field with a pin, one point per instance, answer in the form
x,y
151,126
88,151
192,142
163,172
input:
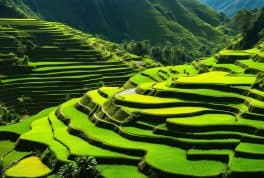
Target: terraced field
x,y
62,62
164,122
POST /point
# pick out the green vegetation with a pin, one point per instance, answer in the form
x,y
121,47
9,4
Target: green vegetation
x,y
8,116
15,8
84,166
187,27
164,122
55,63
259,83
200,119
251,25
68,170
113,171
167,54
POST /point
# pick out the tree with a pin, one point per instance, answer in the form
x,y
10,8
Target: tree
x,y
25,60
84,166
140,48
69,170
87,166
8,115
244,19
167,54
156,53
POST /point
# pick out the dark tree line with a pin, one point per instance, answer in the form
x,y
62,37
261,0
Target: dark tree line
x,y
251,25
167,54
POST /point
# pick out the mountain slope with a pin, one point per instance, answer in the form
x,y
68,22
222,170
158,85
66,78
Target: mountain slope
x,y
46,62
166,122
187,23
230,7
15,8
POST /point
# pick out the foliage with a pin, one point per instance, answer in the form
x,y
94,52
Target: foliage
x,y
25,60
69,170
8,116
167,54
183,23
15,8
252,24
259,83
23,99
87,166
84,166
244,20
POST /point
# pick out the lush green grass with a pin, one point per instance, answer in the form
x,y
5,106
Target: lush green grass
x,y
209,152
145,99
42,132
229,67
28,167
208,120
253,64
109,91
246,165
97,98
76,145
173,159
6,146
122,171
169,112
13,156
255,148
216,77
24,125
139,79
210,61
204,120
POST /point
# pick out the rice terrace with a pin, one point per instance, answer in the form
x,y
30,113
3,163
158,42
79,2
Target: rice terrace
x,y
74,104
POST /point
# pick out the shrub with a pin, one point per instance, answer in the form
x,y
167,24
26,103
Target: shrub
x,y
25,60
84,166
87,166
24,99
203,69
49,158
8,116
69,170
226,173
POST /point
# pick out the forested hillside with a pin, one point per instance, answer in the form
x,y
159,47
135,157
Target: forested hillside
x,y
15,8
186,23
